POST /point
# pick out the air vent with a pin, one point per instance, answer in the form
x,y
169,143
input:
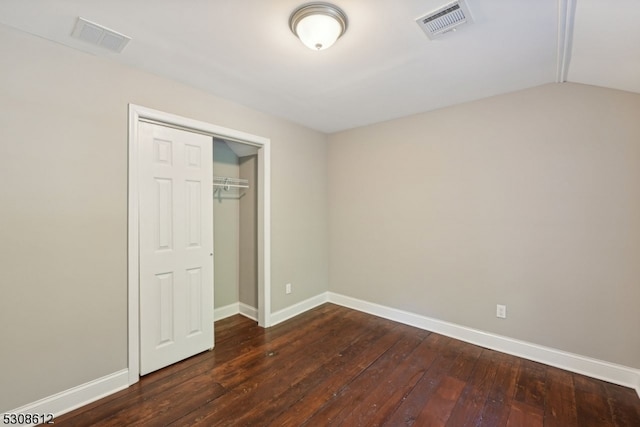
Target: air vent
x,y
445,19
98,35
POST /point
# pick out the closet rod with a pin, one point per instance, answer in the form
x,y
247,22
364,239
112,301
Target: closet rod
x,y
226,182
232,185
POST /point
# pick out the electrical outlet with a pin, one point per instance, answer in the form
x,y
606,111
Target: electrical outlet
x,y
287,288
501,311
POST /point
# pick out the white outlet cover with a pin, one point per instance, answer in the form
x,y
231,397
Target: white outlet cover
x,y
501,311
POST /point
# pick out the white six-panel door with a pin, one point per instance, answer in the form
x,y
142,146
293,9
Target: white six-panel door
x,y
176,245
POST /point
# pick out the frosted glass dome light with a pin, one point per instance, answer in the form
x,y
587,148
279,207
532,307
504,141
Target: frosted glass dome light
x,y
318,25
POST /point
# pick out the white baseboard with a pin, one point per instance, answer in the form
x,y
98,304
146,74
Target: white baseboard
x,y
84,394
73,398
299,308
611,372
220,313
248,311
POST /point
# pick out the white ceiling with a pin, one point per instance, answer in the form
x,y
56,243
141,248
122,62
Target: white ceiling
x,y
384,67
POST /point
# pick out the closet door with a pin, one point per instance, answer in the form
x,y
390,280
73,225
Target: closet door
x,y
176,245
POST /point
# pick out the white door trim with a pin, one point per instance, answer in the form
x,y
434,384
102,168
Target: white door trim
x,y
137,113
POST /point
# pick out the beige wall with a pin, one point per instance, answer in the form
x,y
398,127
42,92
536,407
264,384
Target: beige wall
x,y
63,222
248,237
226,224
530,199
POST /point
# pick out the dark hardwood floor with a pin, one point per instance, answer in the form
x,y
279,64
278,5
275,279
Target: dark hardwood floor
x,y
335,366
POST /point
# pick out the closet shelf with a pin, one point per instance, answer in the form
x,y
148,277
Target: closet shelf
x,y
226,183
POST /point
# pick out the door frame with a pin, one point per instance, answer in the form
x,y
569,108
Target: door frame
x,y
139,113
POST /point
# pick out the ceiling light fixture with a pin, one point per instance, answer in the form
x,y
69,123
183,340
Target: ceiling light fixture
x,y
318,25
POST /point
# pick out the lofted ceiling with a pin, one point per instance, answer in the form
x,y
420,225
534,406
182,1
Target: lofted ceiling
x,y
384,66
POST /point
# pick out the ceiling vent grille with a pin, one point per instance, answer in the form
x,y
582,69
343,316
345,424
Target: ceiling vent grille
x,y
98,35
445,19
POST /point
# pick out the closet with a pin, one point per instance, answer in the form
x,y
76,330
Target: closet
x,y
195,189
235,228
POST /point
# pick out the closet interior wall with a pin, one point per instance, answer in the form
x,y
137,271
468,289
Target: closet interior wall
x,y
248,234
234,223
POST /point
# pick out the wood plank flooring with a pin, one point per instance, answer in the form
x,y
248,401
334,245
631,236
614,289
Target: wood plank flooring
x,y
336,366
